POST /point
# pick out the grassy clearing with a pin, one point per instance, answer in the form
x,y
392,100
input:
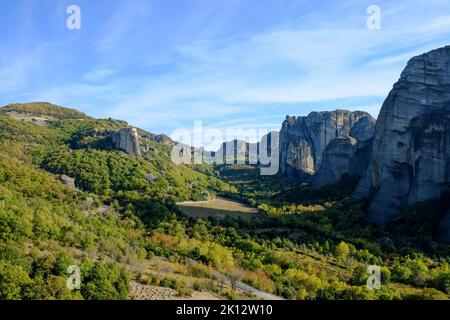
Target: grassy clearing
x,y
217,208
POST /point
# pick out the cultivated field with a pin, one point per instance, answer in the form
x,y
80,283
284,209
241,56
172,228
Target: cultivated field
x,y
217,208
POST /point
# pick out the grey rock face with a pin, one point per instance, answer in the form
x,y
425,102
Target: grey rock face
x,y
361,158
363,129
444,229
411,148
303,139
238,151
162,138
67,180
127,140
336,161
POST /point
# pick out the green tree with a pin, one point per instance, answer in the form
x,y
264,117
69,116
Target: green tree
x,y
14,282
342,250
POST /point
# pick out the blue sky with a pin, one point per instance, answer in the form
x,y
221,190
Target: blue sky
x,y
161,65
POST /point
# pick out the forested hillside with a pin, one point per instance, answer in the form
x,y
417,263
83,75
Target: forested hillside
x,y
121,224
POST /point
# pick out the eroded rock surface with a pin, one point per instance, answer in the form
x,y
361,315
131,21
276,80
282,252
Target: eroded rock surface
x,y
410,159
336,161
67,180
361,158
363,129
127,139
303,139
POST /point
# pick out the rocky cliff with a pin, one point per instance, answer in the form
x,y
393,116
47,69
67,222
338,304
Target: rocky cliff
x,y
303,139
410,159
363,129
336,161
127,139
238,151
361,158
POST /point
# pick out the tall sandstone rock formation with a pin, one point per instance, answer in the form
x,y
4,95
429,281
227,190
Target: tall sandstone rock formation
x,y
127,139
238,151
336,161
410,159
303,139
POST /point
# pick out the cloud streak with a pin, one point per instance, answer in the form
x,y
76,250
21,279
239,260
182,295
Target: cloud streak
x,y
163,65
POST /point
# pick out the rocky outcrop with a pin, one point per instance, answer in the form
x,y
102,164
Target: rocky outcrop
x,y
336,161
238,151
303,139
163,139
68,181
363,129
410,159
127,140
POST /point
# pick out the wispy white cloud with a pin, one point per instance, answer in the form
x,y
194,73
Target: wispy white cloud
x,y
162,65
98,75
122,24
16,72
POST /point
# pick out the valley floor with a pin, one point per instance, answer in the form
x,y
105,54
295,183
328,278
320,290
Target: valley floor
x,y
219,207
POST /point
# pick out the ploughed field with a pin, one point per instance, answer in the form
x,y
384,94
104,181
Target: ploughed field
x,y
217,208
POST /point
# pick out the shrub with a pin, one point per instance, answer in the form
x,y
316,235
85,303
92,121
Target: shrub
x,y
14,282
199,286
102,281
342,250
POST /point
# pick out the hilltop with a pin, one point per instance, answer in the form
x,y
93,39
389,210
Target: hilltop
x,y
43,109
